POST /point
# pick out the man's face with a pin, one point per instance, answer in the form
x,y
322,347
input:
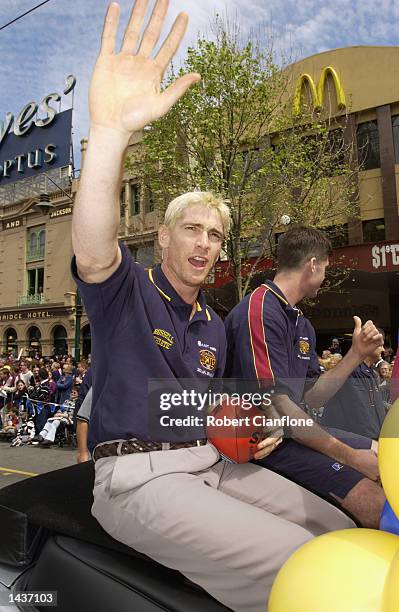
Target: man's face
x,y
24,368
192,246
316,272
74,394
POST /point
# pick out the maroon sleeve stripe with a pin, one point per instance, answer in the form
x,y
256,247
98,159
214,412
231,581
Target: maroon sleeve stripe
x,y
260,352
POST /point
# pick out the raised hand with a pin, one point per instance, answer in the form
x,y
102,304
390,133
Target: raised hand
x,y
125,87
366,338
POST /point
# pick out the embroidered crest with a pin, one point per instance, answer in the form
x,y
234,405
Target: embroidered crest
x,y
207,360
304,347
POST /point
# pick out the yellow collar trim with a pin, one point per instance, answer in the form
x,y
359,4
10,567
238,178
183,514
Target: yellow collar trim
x,y
276,294
156,286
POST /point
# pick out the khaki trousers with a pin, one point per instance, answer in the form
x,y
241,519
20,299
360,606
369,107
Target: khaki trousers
x,y
227,527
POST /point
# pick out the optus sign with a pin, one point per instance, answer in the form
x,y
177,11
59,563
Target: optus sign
x,y
30,144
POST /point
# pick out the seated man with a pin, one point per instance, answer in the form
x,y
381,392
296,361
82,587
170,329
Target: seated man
x,y
163,490
272,343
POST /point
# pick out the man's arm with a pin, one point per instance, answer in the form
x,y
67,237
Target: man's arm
x,y
313,436
82,430
124,97
365,339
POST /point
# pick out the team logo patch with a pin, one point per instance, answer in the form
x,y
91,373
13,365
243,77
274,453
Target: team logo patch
x,y
304,347
207,360
337,467
163,338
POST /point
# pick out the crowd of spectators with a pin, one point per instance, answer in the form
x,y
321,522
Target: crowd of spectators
x,y
37,395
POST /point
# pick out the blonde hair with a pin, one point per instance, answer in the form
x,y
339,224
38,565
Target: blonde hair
x,y
206,198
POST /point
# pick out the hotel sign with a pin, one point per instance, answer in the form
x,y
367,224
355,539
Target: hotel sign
x,y
317,93
14,315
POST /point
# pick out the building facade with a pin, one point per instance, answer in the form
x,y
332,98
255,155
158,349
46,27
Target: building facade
x,y
38,296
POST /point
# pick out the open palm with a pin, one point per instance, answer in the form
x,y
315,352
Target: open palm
x,y
125,88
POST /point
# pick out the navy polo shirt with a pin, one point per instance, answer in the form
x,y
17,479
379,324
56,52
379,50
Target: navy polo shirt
x,y
358,406
271,342
141,329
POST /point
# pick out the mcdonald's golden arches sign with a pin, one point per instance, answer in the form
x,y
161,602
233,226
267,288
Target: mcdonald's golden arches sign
x,y
317,93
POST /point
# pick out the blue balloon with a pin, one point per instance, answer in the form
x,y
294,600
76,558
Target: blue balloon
x,y
389,521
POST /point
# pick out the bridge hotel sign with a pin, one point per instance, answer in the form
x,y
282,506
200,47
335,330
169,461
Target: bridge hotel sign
x,y
36,140
13,315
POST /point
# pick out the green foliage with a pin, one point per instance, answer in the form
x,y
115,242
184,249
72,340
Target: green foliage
x,y
234,134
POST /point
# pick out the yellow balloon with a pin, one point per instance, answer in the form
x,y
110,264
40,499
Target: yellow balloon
x,y
341,571
391,591
388,456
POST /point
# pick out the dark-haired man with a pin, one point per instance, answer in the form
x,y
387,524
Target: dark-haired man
x,y
270,340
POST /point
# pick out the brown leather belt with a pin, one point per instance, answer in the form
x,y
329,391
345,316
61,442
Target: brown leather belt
x,y
134,445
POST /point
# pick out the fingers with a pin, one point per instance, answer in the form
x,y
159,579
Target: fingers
x,y
172,42
176,90
266,447
274,442
133,30
153,30
110,28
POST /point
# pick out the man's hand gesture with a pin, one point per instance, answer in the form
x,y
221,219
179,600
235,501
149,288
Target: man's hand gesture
x,y
366,338
125,87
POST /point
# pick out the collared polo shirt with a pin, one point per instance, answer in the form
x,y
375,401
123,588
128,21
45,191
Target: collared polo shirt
x,y
271,342
141,329
358,406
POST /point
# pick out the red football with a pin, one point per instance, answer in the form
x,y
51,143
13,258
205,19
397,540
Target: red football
x,y
235,431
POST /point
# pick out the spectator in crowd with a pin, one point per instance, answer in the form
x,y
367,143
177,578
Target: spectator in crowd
x,y
80,372
56,370
384,373
52,386
387,354
326,354
11,422
335,346
25,374
64,384
63,416
20,395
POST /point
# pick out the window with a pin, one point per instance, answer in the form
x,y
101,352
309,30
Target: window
x,y
36,240
151,201
134,199
35,281
395,130
374,230
122,203
368,145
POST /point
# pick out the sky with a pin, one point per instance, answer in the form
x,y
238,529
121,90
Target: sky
x,y
62,37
